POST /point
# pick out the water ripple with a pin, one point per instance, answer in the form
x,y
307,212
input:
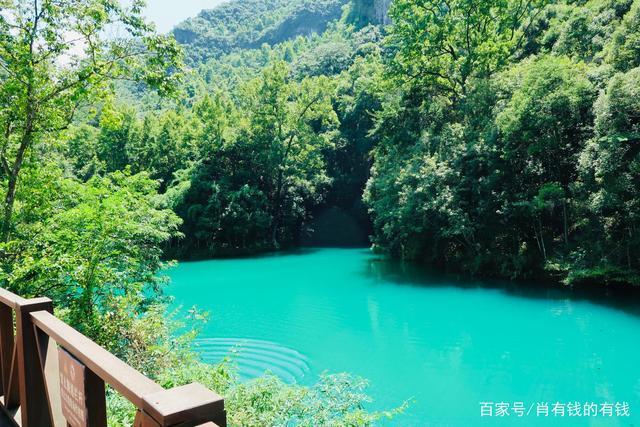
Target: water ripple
x,y
255,357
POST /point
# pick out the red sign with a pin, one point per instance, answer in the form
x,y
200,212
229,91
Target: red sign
x,y
72,389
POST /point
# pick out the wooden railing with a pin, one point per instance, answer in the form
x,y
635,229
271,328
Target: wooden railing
x,y
39,353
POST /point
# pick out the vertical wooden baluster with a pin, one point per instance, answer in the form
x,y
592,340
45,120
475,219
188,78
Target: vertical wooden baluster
x,y
9,388
13,397
96,400
34,403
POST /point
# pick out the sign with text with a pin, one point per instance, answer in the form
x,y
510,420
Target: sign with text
x,y
72,389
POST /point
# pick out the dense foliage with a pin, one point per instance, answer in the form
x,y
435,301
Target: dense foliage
x,y
495,138
478,138
250,23
503,163
254,186
488,133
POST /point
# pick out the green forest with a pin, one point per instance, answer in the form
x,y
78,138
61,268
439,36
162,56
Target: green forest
x,y
489,138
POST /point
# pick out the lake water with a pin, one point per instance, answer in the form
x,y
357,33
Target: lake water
x,y
444,344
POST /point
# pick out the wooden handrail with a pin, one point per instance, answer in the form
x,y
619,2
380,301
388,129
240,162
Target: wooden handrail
x,y
10,299
24,385
122,377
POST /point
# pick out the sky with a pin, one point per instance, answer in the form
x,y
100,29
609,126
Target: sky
x,y
167,13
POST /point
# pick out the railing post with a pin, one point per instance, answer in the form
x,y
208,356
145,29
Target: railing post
x,y
7,350
188,405
35,409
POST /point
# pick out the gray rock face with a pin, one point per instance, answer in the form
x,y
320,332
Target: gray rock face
x,y
381,9
364,12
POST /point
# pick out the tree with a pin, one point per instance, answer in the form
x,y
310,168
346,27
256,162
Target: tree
x,y
359,94
54,56
624,48
96,247
444,44
610,181
260,174
118,127
543,128
293,132
484,183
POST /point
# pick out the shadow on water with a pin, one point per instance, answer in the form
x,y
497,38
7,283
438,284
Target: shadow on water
x,y
253,256
388,270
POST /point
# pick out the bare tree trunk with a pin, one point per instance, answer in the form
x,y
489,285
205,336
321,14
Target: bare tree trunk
x,y
8,208
535,233
10,195
277,211
27,136
277,207
564,217
544,249
540,238
629,249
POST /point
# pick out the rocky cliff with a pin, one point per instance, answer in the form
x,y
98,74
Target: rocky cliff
x,y
364,12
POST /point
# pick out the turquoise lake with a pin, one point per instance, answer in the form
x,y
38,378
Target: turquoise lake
x,y
443,344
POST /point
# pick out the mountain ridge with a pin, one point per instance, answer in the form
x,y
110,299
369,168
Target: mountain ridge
x,y
248,24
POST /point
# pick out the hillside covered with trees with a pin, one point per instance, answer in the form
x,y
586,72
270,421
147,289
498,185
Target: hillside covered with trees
x,y
502,142
492,138
251,23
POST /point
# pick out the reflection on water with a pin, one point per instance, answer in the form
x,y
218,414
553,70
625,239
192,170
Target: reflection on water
x,y
385,269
